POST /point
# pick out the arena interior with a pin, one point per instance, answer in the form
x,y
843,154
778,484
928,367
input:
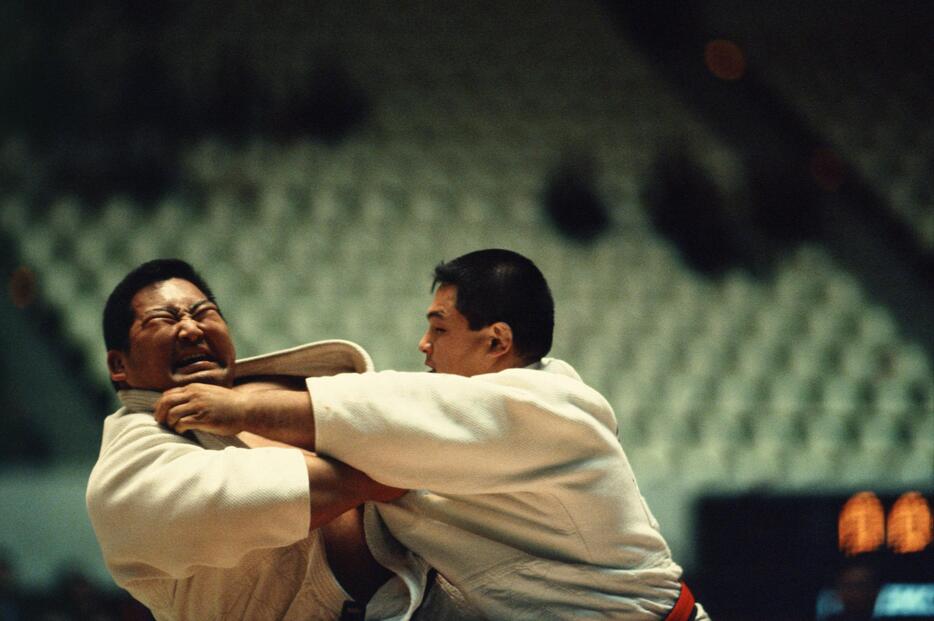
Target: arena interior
x,y
733,202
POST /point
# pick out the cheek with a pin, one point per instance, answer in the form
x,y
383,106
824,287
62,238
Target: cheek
x,y
477,344
142,350
222,343
152,350
145,364
218,333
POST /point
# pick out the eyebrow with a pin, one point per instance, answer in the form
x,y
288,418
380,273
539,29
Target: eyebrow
x,y
435,313
194,307
174,310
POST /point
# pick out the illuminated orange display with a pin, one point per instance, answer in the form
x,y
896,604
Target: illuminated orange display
x,y
910,524
861,526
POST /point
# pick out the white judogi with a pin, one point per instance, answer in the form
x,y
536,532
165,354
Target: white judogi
x,y
213,530
523,497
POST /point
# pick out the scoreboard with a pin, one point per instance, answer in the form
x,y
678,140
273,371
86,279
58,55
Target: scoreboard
x,y
779,556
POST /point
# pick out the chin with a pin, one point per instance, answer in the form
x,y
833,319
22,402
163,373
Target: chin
x,y
218,378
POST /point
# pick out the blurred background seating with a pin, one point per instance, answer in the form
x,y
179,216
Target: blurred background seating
x,y
316,161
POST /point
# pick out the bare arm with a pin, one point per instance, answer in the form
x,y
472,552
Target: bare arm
x,y
336,487
282,415
350,557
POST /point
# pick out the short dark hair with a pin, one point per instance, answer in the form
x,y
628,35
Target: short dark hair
x,y
118,311
502,285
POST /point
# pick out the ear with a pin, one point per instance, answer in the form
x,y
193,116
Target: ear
x,y
500,335
116,363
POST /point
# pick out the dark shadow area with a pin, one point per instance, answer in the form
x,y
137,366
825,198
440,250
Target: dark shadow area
x,y
97,90
773,556
73,597
798,188
686,206
571,199
22,442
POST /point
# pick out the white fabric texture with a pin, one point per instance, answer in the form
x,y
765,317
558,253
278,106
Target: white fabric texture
x,y
522,496
309,360
212,530
206,534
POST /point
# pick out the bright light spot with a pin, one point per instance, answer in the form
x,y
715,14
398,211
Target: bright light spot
x,y
861,526
910,524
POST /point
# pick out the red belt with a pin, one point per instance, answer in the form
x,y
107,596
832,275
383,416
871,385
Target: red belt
x,y
684,609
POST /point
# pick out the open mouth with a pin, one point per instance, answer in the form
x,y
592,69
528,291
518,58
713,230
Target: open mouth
x,y
195,362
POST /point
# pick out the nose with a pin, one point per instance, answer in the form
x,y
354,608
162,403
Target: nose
x,y
189,329
424,344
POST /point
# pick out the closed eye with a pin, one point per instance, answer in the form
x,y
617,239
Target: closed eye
x,y
207,311
160,318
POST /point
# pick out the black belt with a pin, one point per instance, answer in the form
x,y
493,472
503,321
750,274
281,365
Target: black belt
x,y
352,611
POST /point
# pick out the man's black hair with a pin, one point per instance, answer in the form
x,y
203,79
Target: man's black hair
x,y
118,312
502,285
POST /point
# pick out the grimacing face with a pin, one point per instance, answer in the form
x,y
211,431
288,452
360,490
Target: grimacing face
x,y
449,345
177,337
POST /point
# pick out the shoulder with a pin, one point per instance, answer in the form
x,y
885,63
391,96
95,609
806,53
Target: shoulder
x,y
557,381
556,366
547,374
125,427
130,442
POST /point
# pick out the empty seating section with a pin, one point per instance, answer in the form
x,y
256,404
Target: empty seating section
x,y
795,380
860,76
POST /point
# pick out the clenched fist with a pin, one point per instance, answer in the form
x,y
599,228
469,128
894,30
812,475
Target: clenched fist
x,y
205,407
282,415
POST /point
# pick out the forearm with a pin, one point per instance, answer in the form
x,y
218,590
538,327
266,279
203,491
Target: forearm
x,y
283,415
335,487
350,557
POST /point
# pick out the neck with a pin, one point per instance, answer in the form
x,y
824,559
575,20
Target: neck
x,y
509,361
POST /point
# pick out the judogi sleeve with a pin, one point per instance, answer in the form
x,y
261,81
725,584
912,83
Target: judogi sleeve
x,y
452,434
163,505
